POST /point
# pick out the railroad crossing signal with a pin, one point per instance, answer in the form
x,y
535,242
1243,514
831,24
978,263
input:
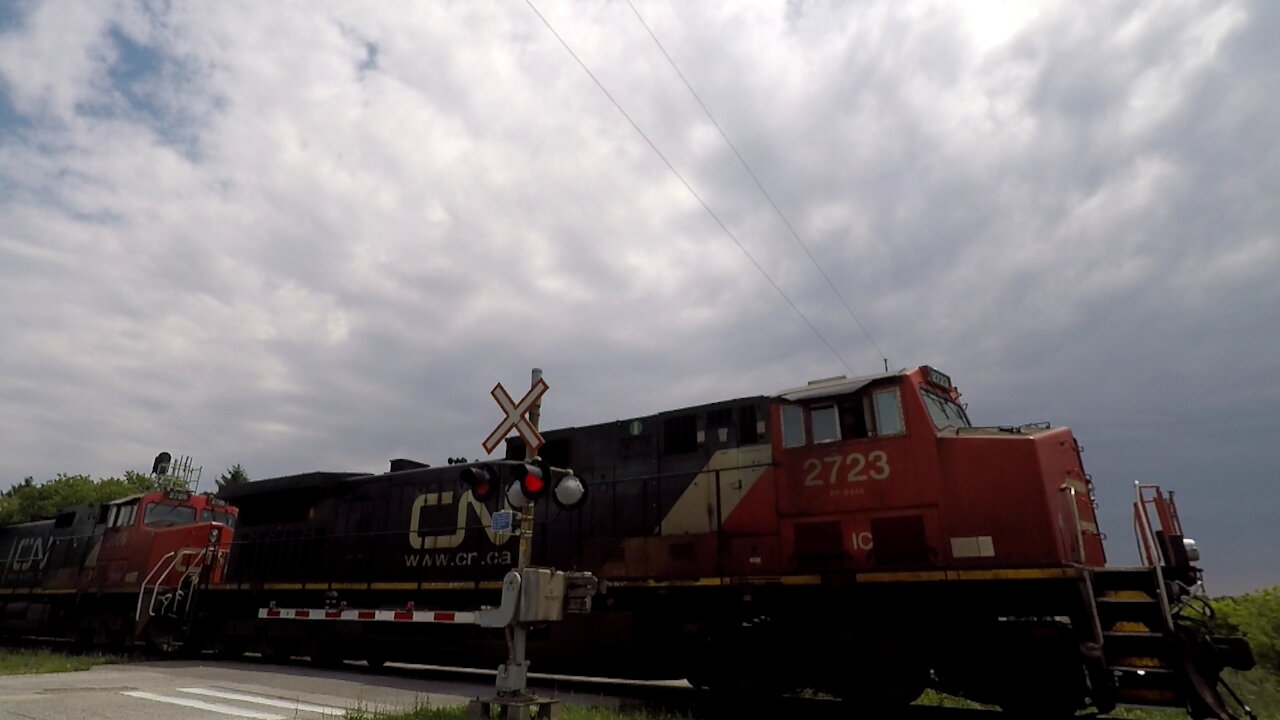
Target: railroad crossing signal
x,y
516,417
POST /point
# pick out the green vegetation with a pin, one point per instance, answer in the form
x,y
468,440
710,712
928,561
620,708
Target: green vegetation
x,y
1256,616
17,661
1259,688
235,475
30,500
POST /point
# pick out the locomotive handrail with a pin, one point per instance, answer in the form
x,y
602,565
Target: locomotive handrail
x,y
176,555
1150,549
1075,514
142,590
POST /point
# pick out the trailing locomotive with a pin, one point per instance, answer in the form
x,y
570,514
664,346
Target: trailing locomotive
x,y
116,573
854,536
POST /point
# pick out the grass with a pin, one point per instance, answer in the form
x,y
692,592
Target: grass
x,y
459,712
31,661
1259,688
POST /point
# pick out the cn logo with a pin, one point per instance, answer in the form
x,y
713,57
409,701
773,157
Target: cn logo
x,y
420,539
29,554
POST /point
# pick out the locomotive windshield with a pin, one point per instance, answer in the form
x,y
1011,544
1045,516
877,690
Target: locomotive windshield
x,y
218,516
161,515
944,411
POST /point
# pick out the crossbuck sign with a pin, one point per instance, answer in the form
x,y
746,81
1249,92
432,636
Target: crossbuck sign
x,y
516,417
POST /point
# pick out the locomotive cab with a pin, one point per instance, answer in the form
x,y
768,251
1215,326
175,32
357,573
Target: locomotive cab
x,y
142,533
887,472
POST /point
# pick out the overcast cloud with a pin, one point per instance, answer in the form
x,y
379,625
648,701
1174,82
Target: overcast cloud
x,y
305,236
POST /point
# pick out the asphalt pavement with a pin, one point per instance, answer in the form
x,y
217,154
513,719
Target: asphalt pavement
x,y
191,690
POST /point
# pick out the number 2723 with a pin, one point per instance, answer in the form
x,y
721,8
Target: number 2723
x,y
856,467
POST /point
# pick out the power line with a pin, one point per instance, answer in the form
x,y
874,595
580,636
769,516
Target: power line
x,y
754,178
688,187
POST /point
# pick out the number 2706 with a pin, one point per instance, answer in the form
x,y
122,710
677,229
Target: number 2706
x,y
855,466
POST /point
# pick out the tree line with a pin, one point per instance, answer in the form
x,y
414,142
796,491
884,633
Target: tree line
x,y
32,500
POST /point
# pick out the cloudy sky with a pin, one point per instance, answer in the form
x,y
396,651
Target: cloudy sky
x,y
313,235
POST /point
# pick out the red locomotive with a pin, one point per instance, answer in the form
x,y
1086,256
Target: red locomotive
x,y
115,573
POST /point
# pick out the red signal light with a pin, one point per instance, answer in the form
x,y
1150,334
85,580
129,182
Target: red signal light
x,y
479,480
529,482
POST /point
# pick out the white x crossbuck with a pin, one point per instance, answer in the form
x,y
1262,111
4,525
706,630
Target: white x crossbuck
x,y
516,417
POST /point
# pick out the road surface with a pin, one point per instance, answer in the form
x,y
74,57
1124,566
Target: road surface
x,y
191,690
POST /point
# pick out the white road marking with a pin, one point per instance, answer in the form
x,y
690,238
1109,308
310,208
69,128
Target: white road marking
x,y
202,705
265,700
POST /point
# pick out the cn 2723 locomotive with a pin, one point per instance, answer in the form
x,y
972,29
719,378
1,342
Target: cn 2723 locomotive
x,y
854,536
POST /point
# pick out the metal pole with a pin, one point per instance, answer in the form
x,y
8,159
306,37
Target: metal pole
x,y
519,633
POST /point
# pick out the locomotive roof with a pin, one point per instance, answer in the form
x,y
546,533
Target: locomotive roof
x,y
834,386
288,482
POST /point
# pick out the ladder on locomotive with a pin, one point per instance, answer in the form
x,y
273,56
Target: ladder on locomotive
x,y
1151,655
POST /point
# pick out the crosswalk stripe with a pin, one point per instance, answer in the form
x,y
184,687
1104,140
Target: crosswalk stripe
x,y
202,705
296,705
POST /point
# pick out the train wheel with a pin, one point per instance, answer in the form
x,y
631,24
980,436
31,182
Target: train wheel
x,y
230,651
375,662
326,660
160,637
277,655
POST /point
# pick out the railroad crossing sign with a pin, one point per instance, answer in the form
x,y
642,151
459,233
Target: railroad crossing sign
x,y
516,417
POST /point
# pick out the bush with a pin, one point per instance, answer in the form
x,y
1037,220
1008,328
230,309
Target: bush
x,y
1256,616
30,500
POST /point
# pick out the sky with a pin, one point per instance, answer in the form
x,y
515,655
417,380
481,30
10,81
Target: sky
x,y
313,236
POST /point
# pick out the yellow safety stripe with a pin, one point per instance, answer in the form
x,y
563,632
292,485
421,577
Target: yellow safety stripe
x,y
864,577
67,591
914,576
802,580
944,575
457,585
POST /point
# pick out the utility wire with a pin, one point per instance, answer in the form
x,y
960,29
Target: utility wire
x,y
756,179
689,187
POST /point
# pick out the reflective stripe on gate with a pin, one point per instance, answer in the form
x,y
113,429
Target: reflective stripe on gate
x,y
430,616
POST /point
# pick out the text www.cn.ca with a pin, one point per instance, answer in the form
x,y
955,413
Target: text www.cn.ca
x,y
461,559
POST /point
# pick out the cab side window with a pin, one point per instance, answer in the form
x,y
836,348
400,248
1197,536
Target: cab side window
x,y
123,515
826,426
853,419
792,426
888,409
